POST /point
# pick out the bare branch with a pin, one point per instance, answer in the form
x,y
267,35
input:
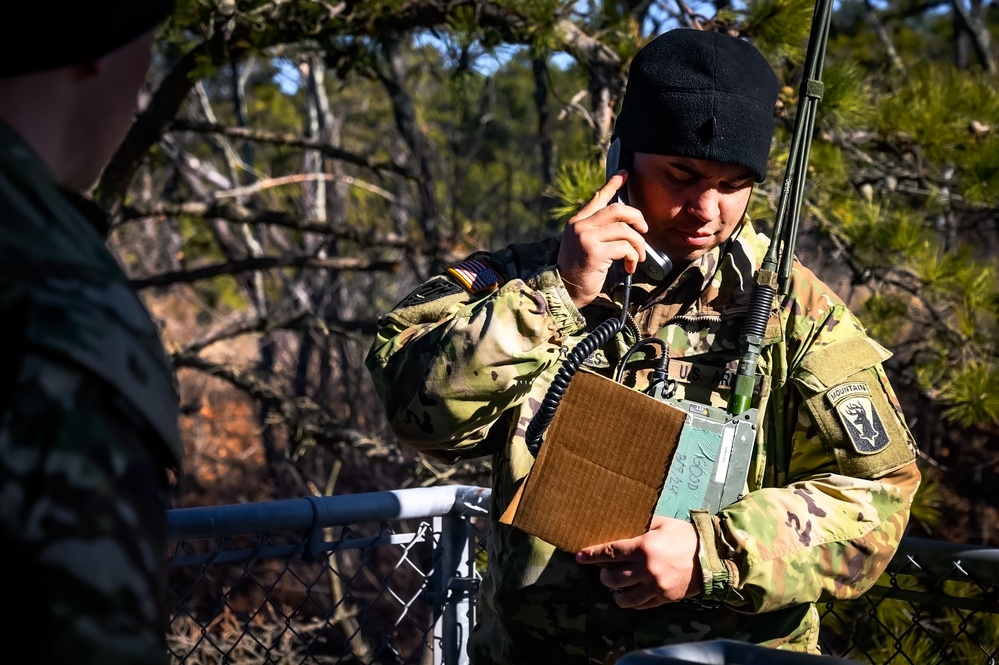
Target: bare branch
x,y
269,183
886,42
264,263
606,71
420,148
238,214
152,122
972,22
574,106
293,140
300,322
304,419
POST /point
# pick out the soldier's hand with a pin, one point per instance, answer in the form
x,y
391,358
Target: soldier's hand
x,y
595,237
658,567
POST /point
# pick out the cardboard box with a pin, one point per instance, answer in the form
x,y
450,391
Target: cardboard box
x,y
601,467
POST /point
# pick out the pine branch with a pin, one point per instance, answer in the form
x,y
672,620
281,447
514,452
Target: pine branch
x,y
938,318
892,175
902,279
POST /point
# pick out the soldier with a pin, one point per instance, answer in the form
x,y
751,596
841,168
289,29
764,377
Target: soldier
x,y
88,408
464,361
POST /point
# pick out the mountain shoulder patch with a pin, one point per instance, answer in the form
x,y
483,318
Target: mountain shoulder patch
x,y
860,419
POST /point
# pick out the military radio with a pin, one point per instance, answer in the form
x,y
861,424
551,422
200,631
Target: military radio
x,y
708,467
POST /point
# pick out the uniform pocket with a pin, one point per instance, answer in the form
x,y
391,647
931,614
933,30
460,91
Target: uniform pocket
x,y
851,402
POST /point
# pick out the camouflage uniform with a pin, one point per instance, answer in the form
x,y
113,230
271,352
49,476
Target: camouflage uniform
x,y
462,371
88,427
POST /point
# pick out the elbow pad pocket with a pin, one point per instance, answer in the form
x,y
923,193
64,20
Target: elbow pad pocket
x,y
428,302
472,279
851,402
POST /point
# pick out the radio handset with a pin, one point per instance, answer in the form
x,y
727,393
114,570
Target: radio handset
x,y
656,265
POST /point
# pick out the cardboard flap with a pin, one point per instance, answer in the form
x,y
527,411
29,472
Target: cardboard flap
x,y
601,467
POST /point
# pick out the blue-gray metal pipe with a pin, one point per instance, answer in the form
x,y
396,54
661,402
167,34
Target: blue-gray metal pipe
x,y
946,560
941,558
318,512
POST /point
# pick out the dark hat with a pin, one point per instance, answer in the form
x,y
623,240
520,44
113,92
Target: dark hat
x,y
69,32
700,94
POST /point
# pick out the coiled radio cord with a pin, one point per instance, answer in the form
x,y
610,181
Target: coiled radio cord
x,y
600,336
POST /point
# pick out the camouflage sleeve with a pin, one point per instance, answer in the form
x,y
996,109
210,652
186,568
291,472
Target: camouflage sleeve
x,y
447,361
83,518
832,527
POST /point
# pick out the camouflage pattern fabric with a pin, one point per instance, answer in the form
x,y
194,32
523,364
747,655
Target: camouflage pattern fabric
x,y
462,375
88,429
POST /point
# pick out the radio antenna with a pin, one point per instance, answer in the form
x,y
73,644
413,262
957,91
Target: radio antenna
x,y
774,275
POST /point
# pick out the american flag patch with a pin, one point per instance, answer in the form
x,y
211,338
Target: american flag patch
x,y
475,275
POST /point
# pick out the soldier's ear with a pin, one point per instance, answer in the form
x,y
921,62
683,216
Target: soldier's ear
x,y
752,190
85,70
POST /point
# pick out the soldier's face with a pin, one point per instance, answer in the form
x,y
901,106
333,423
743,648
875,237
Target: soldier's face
x,y
105,102
691,205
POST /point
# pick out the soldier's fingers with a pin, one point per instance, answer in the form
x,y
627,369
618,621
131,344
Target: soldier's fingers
x,y
604,195
611,235
637,597
628,250
655,601
599,554
613,552
618,577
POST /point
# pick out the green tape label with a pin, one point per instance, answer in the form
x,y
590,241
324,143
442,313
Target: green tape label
x,y
690,472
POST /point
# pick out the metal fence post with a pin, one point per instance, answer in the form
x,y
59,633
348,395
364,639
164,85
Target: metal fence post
x,y
454,584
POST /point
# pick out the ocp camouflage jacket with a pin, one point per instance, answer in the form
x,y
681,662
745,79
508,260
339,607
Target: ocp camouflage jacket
x,y
88,429
463,362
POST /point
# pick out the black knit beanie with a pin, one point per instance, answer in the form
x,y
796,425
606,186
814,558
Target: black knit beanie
x,y
69,32
700,94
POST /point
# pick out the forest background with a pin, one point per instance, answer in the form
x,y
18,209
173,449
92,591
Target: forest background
x,y
296,167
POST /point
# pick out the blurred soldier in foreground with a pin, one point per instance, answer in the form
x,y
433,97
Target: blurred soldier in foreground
x,y
463,363
88,410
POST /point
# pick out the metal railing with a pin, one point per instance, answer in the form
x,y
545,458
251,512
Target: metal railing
x,y
390,577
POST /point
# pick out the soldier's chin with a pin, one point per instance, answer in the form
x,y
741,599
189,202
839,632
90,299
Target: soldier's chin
x,y
688,254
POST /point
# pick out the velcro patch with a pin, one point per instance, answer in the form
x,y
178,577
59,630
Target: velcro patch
x,y
853,405
429,291
475,275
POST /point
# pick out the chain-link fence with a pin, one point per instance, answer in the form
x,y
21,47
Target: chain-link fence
x,y
390,577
